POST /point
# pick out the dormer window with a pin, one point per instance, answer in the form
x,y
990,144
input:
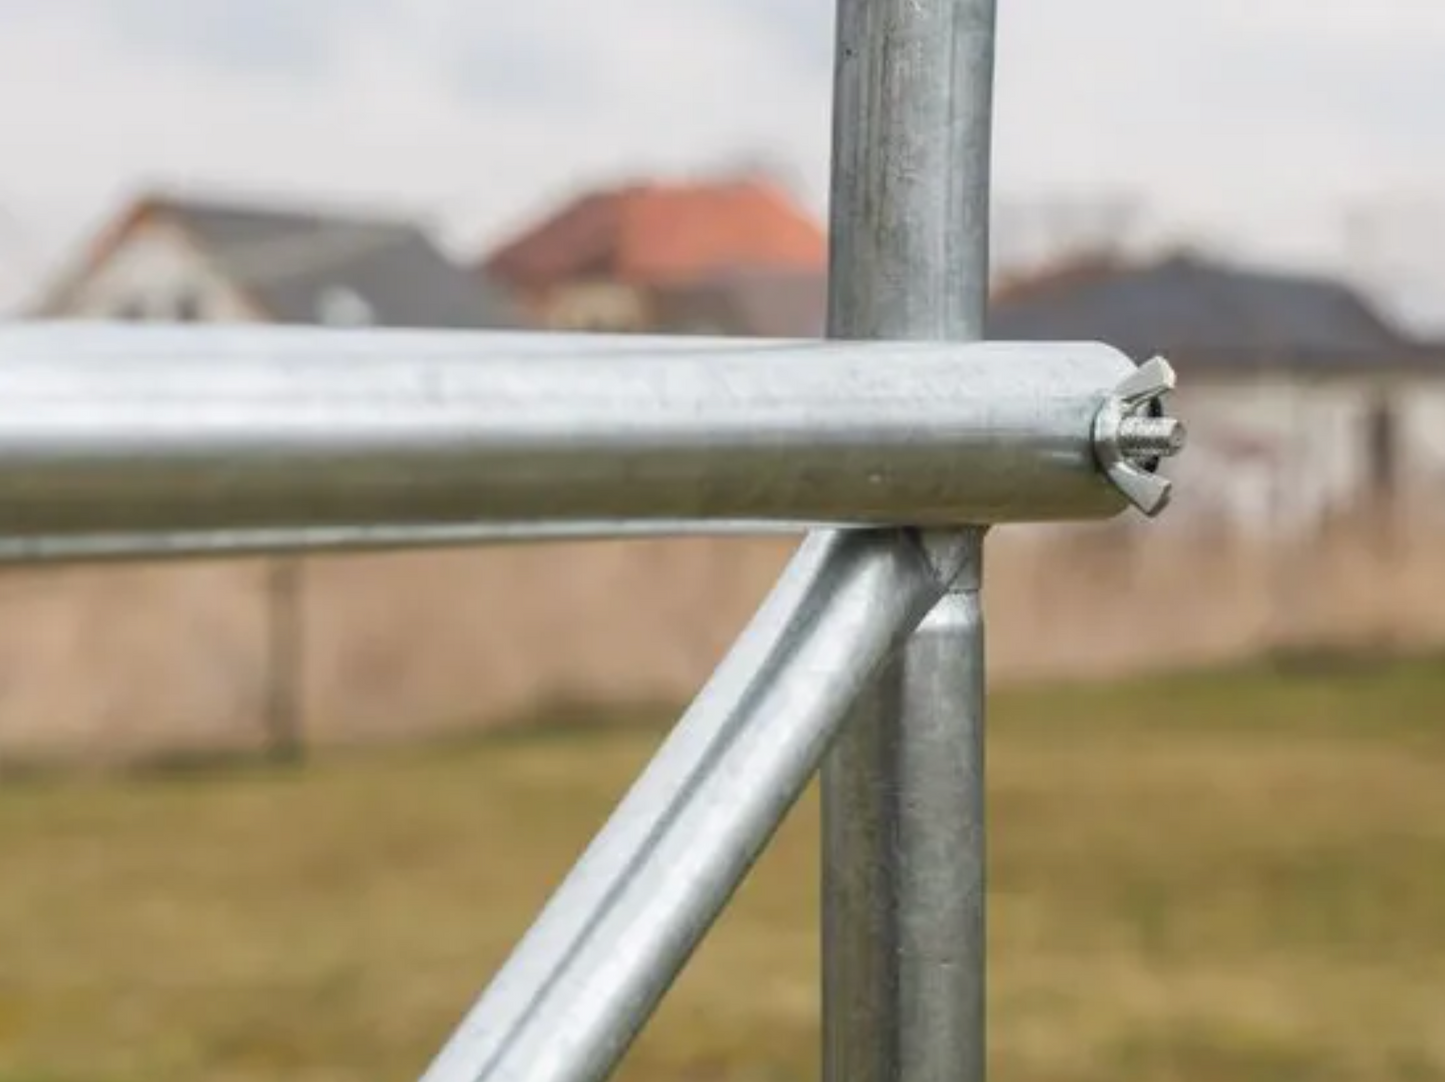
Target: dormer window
x,y
339,306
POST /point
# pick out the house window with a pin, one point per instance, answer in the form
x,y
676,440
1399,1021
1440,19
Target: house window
x,y
188,308
1381,447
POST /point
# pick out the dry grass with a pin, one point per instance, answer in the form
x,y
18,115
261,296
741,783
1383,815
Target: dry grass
x,y
1223,878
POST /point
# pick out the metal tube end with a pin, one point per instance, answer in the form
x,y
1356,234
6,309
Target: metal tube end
x,y
1132,436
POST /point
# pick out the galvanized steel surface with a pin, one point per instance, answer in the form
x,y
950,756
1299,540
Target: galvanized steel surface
x,y
119,442
1132,436
216,544
903,886
903,880
123,431
580,985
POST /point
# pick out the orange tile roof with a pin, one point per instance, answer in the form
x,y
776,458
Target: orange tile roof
x,y
652,234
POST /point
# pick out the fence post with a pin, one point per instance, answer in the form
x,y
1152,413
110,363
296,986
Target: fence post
x,y
903,799
285,647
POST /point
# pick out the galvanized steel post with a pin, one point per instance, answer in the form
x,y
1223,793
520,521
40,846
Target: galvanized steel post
x,y
140,442
903,796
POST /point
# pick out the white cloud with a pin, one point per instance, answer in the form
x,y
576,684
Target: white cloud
x,y
406,108
1255,117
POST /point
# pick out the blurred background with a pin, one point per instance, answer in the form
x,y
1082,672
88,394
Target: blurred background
x,y
281,819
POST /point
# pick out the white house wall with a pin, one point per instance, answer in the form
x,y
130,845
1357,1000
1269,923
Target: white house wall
x,y
1278,454
153,269
1423,425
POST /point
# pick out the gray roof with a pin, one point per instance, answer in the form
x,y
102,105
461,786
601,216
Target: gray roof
x,y
1203,312
297,264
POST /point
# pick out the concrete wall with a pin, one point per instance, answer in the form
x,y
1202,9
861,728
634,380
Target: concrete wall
x,y
119,663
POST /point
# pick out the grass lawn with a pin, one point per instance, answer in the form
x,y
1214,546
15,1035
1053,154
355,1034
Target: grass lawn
x,y
1220,878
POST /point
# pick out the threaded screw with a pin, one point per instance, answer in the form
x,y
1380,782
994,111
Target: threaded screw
x,y
1150,437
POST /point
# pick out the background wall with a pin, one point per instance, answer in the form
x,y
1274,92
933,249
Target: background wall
x,y
101,664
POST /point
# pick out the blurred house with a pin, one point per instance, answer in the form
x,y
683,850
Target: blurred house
x,y
726,257
186,260
753,301
1303,402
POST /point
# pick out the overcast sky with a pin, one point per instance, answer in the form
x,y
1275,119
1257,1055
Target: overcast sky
x,y
1256,121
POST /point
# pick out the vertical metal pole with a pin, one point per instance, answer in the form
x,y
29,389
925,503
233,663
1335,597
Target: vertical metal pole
x,y
903,797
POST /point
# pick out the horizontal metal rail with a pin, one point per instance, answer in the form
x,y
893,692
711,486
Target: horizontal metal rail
x,y
581,983
108,435
217,544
